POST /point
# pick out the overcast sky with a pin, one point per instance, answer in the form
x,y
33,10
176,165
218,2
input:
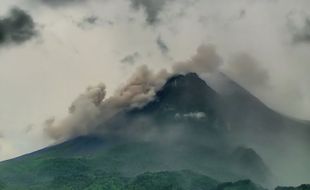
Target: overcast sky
x,y
51,50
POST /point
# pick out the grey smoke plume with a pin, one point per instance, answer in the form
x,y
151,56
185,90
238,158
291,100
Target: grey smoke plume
x,y
90,108
140,89
17,27
206,60
152,9
82,117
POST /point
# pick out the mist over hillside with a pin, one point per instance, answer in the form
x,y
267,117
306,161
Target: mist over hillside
x,y
186,126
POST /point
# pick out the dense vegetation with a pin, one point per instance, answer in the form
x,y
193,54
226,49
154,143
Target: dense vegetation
x,y
173,180
181,180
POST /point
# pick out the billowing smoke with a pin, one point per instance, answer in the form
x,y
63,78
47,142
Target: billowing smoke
x,y
90,108
17,27
140,89
206,60
83,115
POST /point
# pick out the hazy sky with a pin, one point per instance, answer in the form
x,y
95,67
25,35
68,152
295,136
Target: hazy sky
x,y
51,50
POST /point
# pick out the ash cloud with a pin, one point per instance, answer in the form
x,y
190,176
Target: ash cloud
x,y
206,60
91,108
152,9
82,117
140,89
17,27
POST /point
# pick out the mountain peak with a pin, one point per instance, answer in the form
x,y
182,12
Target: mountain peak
x,y
184,93
185,80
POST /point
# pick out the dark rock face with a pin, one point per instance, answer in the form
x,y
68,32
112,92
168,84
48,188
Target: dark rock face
x,y
187,93
183,94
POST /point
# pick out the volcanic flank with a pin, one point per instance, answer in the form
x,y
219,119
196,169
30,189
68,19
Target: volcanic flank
x,y
187,126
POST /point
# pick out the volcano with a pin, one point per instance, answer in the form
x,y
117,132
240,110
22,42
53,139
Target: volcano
x,y
189,136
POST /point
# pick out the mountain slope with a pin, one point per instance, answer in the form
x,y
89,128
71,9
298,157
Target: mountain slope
x,y
188,125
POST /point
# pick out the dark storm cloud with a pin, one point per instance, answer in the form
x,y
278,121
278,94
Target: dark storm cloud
x,y
302,35
152,8
17,27
131,59
162,46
